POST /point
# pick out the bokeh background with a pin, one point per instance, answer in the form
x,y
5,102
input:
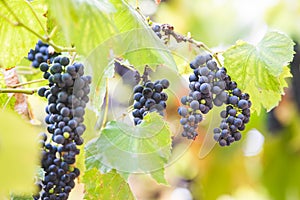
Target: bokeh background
x,y
265,164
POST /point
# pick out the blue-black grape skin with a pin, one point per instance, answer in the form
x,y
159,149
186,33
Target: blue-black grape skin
x,y
211,86
40,54
149,97
66,103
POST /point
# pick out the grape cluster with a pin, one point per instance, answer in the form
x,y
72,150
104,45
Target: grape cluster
x,y
212,86
149,97
199,99
67,97
40,54
234,117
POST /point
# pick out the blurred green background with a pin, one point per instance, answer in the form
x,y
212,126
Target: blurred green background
x,y
266,163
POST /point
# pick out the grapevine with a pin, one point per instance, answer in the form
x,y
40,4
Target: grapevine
x,y
45,46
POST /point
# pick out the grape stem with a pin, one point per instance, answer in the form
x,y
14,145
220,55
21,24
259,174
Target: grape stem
x,y
45,39
27,83
24,91
145,76
137,3
169,30
73,57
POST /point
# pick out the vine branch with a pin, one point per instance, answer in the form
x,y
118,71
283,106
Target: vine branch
x,y
27,83
169,30
45,39
24,91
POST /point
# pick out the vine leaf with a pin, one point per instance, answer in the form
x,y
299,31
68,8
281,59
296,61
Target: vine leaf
x,y
159,176
261,70
19,155
276,50
88,26
84,23
103,33
16,40
105,186
142,149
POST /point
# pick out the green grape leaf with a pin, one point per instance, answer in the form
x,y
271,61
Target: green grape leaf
x,y
159,176
16,41
84,23
145,148
87,24
58,38
105,31
19,155
276,51
105,186
99,86
261,70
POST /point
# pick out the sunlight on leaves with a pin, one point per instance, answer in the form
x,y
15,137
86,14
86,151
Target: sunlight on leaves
x,y
141,149
16,40
261,70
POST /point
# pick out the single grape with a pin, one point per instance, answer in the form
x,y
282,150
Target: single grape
x,y
182,111
205,88
243,104
194,105
165,83
204,71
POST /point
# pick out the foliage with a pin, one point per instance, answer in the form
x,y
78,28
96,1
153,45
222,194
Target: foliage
x,y
143,149
257,72
15,34
101,31
105,186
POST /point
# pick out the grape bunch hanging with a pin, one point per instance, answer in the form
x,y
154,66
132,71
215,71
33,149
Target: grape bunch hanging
x,y
67,96
211,86
41,53
149,97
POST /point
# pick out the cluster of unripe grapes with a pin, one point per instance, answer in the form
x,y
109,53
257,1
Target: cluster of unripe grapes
x,y
41,53
67,96
212,86
149,97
